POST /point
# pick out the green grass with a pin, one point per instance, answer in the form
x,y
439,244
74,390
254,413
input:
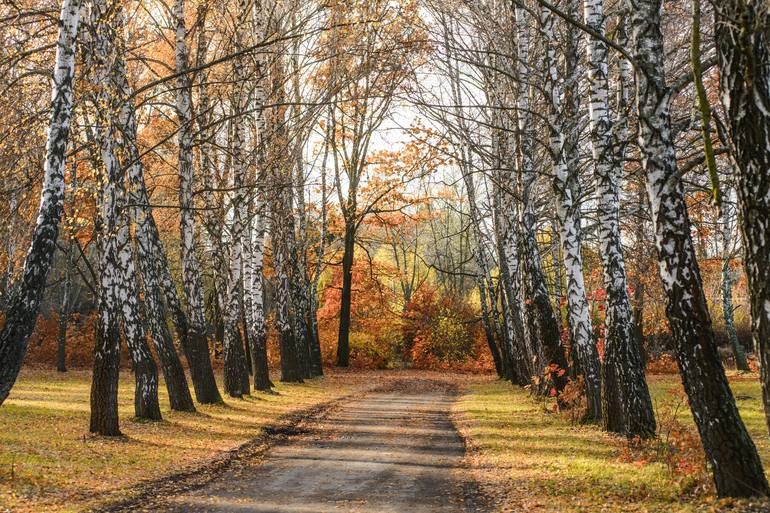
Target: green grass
x,y
541,463
666,390
49,462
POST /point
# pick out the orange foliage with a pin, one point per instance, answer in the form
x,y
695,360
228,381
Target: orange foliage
x,y
665,363
375,326
432,331
442,331
81,336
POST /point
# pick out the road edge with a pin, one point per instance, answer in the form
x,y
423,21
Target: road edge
x,y
153,493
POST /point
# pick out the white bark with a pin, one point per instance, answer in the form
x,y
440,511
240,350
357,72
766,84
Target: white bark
x,y
729,450
565,185
627,407
193,288
196,336
540,326
23,305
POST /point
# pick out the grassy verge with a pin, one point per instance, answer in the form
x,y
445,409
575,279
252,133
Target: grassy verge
x,y
49,462
535,461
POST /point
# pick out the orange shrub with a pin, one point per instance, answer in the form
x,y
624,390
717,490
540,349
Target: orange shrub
x,y
434,330
443,331
375,324
81,336
664,363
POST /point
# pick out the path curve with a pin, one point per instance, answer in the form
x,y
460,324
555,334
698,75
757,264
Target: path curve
x,y
389,451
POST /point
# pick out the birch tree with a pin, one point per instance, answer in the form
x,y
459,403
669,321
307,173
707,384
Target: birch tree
x,y
280,180
111,285
196,343
23,305
728,278
236,373
729,450
743,35
148,255
565,184
258,333
626,403
541,326
504,341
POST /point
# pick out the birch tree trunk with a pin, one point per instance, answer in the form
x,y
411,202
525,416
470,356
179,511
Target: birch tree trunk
x,y
313,366
321,252
729,449
146,404
23,305
541,323
565,184
290,365
151,265
258,333
483,284
235,370
626,403
118,298
64,312
508,255
215,219
727,290
282,223
505,215
503,341
743,51
150,256
510,335
196,349
258,338
110,287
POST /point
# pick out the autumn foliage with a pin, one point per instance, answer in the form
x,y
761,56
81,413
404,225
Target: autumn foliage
x,y
433,330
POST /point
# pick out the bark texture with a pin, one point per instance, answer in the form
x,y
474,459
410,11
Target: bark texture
x,y
626,403
541,325
743,51
566,187
195,342
729,449
23,305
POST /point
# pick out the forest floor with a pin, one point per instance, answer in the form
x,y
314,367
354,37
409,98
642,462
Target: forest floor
x,y
393,450
49,462
384,441
530,459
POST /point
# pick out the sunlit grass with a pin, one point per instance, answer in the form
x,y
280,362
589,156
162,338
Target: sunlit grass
x,y
548,465
49,462
666,389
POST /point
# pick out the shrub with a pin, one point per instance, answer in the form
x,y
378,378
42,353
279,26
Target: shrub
x,y
441,331
663,363
677,445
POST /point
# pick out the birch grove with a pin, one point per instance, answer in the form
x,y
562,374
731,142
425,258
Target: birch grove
x,y
565,194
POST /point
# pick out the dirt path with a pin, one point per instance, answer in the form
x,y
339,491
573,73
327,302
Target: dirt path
x,y
391,451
